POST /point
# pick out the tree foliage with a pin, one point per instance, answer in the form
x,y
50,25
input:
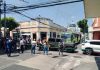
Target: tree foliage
x,y
82,24
10,23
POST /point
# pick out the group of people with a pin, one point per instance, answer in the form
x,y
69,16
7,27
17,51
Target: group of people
x,y
10,46
13,45
20,46
45,47
42,46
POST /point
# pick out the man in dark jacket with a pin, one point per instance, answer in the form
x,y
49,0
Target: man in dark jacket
x,y
8,47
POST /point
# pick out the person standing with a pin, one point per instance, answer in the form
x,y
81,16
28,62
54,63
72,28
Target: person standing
x,y
14,41
8,47
18,47
22,45
45,48
61,48
33,47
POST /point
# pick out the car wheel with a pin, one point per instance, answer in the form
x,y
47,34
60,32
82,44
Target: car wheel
x,y
89,51
84,52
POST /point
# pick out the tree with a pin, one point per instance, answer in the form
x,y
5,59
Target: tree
x,y
82,24
10,23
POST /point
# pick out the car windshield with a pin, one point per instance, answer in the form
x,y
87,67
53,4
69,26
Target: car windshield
x,y
51,40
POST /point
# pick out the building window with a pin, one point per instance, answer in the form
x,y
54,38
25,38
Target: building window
x,y
54,34
58,36
43,35
50,34
34,36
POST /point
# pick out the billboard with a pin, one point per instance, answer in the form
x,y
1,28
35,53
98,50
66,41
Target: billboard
x,y
92,8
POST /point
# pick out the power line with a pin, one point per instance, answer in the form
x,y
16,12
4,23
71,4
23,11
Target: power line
x,y
42,5
29,17
32,18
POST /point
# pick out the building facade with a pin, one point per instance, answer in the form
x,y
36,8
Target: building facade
x,y
94,31
42,28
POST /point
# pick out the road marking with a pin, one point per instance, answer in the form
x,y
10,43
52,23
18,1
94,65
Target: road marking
x,y
77,63
70,64
66,65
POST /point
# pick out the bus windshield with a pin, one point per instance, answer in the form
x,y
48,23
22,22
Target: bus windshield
x,y
65,36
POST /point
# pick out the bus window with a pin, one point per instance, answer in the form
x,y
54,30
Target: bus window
x,y
65,36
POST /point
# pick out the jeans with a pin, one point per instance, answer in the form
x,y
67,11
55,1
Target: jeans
x,y
33,49
8,51
46,50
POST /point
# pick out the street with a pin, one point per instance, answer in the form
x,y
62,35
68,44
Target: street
x,y
49,34
52,61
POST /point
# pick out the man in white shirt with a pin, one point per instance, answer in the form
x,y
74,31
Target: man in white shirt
x,y
22,45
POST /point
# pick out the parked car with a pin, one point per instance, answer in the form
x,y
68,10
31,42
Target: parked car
x,y
91,46
53,42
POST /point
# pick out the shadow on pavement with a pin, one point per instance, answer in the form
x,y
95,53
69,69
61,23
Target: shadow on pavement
x,y
59,56
55,56
97,59
14,55
77,56
64,55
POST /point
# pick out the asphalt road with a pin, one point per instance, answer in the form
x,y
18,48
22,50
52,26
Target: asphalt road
x,y
39,61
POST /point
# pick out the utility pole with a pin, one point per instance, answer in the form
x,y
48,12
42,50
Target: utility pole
x,y
0,10
0,16
5,19
0,22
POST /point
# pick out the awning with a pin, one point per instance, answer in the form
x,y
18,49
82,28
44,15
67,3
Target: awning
x,y
92,8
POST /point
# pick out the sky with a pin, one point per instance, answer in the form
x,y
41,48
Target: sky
x,y
62,14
